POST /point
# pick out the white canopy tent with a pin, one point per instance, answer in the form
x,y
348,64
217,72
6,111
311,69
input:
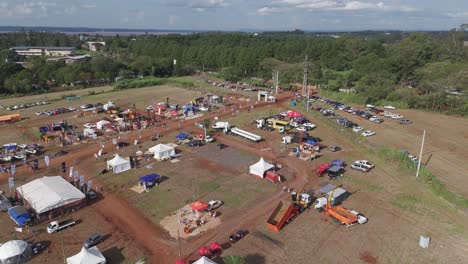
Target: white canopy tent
x,y
204,260
259,168
47,193
15,251
87,256
162,151
101,124
118,164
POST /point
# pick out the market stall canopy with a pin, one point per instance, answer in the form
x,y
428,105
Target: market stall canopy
x,y
339,163
182,136
118,164
19,214
198,206
15,251
47,193
204,260
294,114
87,256
162,151
259,168
150,177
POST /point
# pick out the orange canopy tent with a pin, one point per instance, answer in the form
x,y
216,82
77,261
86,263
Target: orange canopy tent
x,y
198,206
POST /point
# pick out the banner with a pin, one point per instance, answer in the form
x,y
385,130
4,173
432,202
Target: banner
x,y
75,178
75,174
11,182
81,180
71,172
13,169
90,185
46,160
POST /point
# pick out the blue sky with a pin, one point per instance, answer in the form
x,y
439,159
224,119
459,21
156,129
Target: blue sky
x,y
237,14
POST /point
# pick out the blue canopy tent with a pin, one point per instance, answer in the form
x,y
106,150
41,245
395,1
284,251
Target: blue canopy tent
x,y
339,163
182,136
150,179
20,215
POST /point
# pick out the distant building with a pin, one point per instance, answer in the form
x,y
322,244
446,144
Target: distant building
x,y
95,45
74,59
466,43
43,51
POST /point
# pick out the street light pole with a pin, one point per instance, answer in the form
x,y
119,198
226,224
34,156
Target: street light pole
x,y
420,154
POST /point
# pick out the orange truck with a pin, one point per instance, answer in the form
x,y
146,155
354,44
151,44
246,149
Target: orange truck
x,y
10,118
284,213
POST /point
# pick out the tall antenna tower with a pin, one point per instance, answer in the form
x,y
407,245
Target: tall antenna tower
x,y
305,90
275,78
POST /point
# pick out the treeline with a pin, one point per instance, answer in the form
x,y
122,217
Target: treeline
x,y
419,69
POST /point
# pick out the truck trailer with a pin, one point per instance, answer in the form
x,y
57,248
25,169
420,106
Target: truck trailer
x,y
284,213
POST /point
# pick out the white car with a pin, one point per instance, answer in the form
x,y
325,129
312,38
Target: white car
x,y
209,139
357,129
39,113
309,125
397,116
365,163
294,124
303,129
373,118
285,114
368,133
388,114
389,107
214,204
72,109
202,108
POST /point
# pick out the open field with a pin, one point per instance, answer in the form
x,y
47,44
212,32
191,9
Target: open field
x,y
399,207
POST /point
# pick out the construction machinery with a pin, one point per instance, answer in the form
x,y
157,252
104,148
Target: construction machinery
x,y
339,213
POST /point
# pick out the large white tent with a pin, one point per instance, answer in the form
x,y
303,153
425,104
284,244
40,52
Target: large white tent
x,y
118,164
47,193
204,260
259,168
15,251
102,124
87,256
162,151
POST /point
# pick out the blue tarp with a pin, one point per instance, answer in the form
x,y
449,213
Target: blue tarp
x,y
150,177
182,136
20,215
311,142
339,163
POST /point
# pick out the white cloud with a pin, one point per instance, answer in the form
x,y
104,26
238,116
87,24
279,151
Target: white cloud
x,y
267,10
339,5
173,19
202,5
88,6
463,15
26,9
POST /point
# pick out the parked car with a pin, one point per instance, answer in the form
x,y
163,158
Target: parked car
x,y
334,148
368,133
359,167
389,107
93,240
237,236
194,143
378,120
357,129
396,116
294,124
91,196
405,122
214,204
309,126
365,163
39,113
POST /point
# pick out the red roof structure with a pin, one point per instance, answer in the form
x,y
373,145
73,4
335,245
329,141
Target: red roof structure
x,y
198,206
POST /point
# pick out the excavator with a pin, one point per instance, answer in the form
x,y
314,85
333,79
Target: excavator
x,y
339,213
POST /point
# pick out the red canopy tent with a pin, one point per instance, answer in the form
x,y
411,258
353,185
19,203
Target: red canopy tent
x,y
204,251
293,114
198,206
181,262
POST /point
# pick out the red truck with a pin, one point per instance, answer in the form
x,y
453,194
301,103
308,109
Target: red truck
x,y
284,213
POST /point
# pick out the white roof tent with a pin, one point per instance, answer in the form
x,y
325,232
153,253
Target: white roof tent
x,y
259,168
47,193
118,164
15,251
162,151
87,256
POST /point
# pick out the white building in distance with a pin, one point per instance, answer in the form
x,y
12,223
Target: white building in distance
x,y
43,51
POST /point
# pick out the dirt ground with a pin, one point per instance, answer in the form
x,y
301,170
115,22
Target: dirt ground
x,y
399,208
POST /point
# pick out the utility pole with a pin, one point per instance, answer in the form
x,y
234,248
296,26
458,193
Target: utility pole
x,y
306,73
277,81
420,154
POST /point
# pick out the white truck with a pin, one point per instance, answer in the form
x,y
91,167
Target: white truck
x,y
245,134
56,226
220,125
